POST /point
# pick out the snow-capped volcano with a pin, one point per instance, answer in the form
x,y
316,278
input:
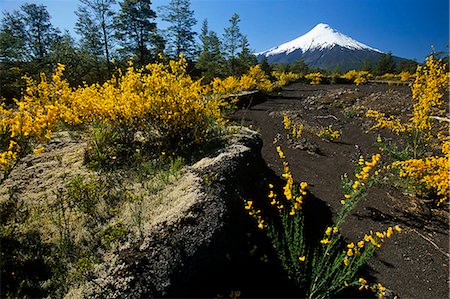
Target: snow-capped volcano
x,y
320,37
323,47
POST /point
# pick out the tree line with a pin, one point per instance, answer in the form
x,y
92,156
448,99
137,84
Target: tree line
x,y
112,33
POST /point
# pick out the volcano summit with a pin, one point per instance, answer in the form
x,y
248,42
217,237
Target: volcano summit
x,y
323,47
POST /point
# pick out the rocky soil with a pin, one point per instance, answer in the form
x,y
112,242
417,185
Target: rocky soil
x,y
415,264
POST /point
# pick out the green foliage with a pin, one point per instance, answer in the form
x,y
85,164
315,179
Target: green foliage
x,y
366,66
321,268
105,147
95,25
407,65
136,30
211,60
265,66
232,40
245,58
27,39
288,240
385,65
300,67
21,250
181,36
27,34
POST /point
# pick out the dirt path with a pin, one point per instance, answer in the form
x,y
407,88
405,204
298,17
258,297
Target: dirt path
x,y
414,264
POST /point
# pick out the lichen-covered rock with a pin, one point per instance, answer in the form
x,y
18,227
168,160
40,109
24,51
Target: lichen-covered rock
x,y
189,233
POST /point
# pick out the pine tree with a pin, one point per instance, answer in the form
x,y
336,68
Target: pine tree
x,y
232,39
245,58
12,38
366,66
265,65
204,35
89,30
95,25
27,39
136,30
40,33
299,66
385,65
181,37
81,66
210,61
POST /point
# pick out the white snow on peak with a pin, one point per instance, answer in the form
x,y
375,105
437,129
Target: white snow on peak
x,y
320,37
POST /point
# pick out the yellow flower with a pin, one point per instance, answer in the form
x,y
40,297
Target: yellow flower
x,y
389,232
347,196
350,252
302,258
380,235
303,185
351,245
38,151
328,231
362,280
325,241
346,262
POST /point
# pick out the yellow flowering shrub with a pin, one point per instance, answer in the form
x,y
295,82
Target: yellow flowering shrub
x,y
423,132
254,79
283,78
431,172
175,111
358,77
329,133
322,267
294,130
315,78
405,76
389,76
392,123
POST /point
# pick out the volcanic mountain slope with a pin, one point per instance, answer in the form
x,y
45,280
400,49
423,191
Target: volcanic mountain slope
x,y
325,48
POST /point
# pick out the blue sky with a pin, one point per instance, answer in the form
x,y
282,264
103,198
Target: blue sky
x,y
407,28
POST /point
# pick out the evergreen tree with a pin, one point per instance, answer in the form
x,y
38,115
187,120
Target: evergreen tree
x,y
95,26
210,60
89,30
366,66
180,37
299,66
27,34
407,65
12,38
40,34
27,38
385,64
265,66
81,66
136,30
232,40
204,32
245,58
